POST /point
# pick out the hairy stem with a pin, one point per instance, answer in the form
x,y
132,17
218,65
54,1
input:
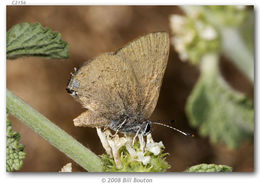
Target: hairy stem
x,y
53,134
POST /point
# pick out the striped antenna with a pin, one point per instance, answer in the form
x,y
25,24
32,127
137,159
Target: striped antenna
x,y
184,133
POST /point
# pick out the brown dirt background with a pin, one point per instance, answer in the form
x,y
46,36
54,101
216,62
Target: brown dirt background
x,y
90,31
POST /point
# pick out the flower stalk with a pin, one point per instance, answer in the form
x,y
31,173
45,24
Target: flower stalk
x,y
52,133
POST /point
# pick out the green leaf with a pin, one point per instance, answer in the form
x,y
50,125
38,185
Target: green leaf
x,y
28,39
247,31
225,15
220,112
14,150
209,168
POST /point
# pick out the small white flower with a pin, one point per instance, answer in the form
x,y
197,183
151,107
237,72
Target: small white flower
x,y
112,144
188,37
200,26
180,48
66,168
103,138
206,31
144,159
178,43
209,33
153,147
192,11
116,143
177,22
137,155
240,7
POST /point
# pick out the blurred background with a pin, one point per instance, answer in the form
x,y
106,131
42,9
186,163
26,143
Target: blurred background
x,y
93,30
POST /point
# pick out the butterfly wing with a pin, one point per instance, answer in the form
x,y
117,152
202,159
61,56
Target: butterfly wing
x,y
89,118
125,82
148,56
106,86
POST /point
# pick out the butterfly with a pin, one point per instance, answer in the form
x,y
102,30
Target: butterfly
x,y
120,89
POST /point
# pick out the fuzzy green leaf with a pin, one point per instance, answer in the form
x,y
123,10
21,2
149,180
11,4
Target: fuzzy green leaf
x,y
220,112
247,31
225,15
209,168
14,150
28,39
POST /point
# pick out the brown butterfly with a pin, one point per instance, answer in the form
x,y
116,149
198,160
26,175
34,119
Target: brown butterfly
x,y
120,89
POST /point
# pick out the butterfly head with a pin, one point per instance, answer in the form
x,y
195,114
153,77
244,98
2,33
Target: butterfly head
x,y
146,127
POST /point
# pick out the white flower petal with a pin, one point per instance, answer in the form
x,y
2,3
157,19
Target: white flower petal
x,y
177,22
152,146
103,138
209,33
66,168
116,143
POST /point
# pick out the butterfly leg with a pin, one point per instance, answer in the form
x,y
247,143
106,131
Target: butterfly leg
x,y
118,128
133,142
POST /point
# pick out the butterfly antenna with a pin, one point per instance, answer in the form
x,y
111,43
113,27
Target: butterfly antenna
x,y
184,133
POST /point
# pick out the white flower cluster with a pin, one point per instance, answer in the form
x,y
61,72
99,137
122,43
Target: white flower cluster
x,y
188,31
113,143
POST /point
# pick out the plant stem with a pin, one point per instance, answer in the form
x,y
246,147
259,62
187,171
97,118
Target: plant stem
x,y
235,48
53,134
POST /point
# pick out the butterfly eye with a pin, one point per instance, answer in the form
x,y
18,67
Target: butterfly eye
x,y
69,90
72,92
